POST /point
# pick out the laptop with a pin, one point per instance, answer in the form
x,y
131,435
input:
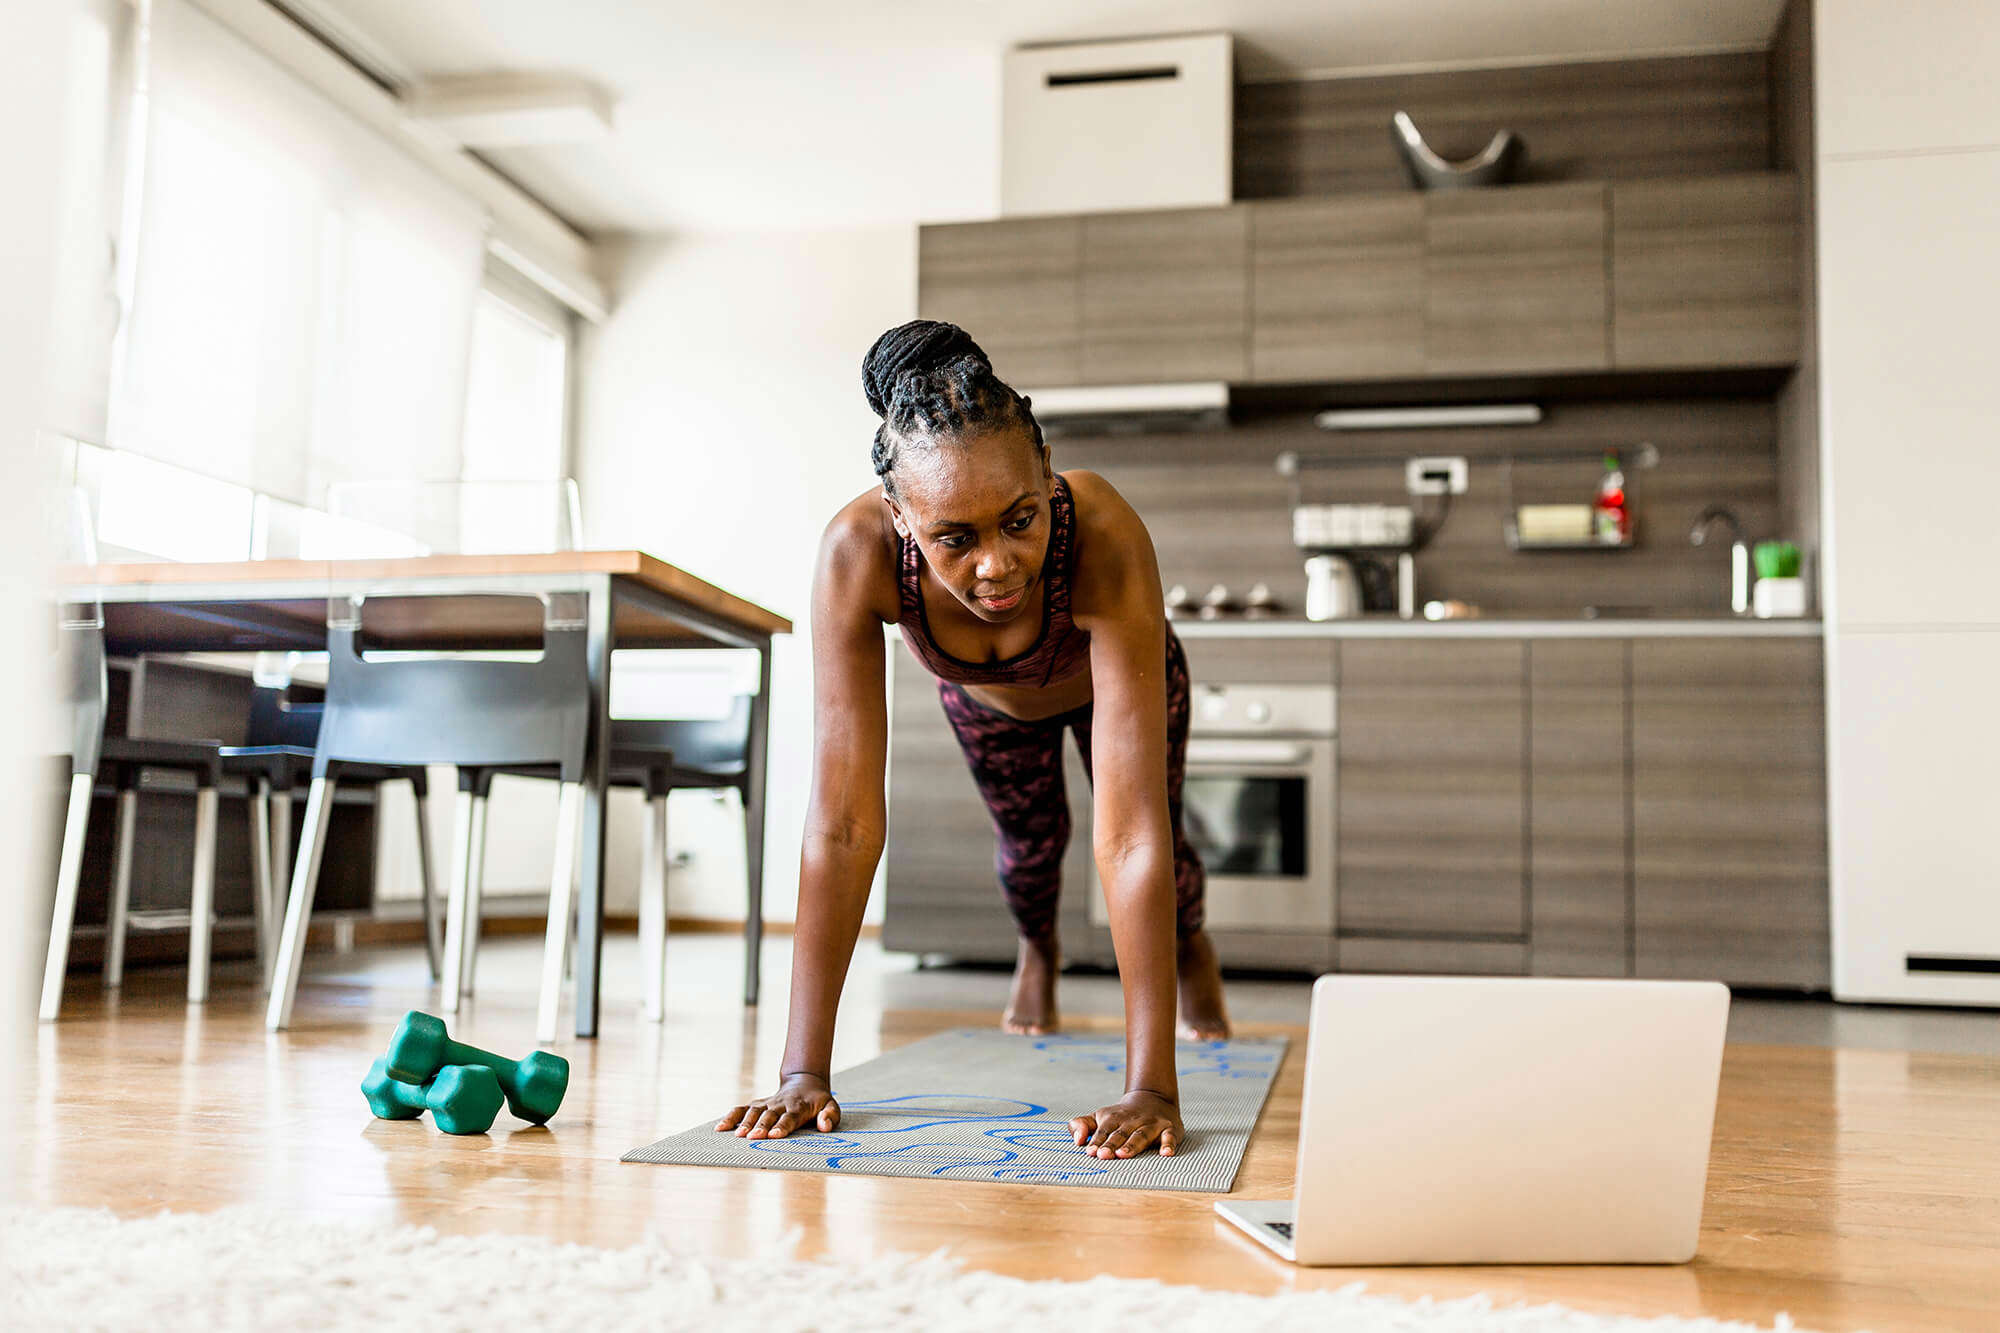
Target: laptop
x,y
1516,1120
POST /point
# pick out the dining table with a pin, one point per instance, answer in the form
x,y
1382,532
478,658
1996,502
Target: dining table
x,y
465,603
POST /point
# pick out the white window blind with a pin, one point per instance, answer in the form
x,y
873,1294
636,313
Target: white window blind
x,y
94,122
304,289
516,398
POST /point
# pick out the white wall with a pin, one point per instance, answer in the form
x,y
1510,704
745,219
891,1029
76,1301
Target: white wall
x,y
1909,278
722,423
33,76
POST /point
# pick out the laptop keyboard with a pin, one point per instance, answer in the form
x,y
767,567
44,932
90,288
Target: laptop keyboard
x,y
1282,1228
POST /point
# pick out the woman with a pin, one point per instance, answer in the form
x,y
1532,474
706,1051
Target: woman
x,y
1035,599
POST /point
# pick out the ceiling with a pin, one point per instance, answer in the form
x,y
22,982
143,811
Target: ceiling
x,y
767,115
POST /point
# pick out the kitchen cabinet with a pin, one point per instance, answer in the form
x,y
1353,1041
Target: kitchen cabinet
x,y
1705,272
1648,806
1729,811
1432,789
1166,296
1221,661
1669,273
1337,289
1015,285
941,892
1515,280
1578,815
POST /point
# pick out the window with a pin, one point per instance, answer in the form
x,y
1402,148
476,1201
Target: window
x,y
516,402
304,290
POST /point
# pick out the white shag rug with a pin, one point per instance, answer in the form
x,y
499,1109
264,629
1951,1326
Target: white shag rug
x,y
244,1268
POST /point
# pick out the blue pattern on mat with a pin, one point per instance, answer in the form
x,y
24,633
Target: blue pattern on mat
x,y
1018,1127
919,1111
970,1135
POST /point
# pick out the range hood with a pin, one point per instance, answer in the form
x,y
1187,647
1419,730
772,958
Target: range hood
x,y
1131,409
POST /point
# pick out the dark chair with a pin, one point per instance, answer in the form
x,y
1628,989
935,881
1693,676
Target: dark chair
x,y
91,751
656,756
409,711
275,760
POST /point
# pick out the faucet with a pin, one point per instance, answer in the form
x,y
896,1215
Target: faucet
x,y
1739,554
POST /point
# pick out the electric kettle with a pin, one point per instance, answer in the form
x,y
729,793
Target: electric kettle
x,y
1332,590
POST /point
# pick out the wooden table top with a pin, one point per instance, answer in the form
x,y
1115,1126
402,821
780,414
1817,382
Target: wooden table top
x,y
157,618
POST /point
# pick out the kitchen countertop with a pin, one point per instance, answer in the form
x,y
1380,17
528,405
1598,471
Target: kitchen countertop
x,y
1693,625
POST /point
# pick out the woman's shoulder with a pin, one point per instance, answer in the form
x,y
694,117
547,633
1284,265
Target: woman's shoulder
x,y
858,553
1114,562
1100,510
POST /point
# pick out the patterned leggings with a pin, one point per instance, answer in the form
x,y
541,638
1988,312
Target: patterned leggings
x,y
1018,768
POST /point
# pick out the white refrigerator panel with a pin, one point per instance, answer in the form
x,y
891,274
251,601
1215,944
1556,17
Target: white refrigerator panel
x,y
1897,77
1909,256
1915,817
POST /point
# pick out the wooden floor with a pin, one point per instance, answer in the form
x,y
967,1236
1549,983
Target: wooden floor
x,y
1851,1188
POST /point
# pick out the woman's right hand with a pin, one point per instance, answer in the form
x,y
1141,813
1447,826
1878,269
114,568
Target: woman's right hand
x,y
802,1100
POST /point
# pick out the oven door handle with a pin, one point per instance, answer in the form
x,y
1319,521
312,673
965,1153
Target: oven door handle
x,y
1260,753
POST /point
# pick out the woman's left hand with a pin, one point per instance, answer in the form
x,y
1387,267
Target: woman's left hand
x,y
1129,1126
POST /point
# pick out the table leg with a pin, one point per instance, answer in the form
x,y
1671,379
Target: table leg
x,y
596,770
753,826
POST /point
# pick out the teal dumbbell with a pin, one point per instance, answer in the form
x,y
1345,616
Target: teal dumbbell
x,y
534,1085
463,1099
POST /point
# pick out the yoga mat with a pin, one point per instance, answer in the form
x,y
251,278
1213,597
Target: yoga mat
x,y
976,1104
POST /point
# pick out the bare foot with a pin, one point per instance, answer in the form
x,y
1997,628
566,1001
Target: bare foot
x,y
1031,1009
1203,1017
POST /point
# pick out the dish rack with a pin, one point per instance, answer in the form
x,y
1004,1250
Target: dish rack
x,y
1632,458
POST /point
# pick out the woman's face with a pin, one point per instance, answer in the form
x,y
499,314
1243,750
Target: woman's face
x,y
978,509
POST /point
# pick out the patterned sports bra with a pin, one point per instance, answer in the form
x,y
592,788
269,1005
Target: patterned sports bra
x,y
1061,652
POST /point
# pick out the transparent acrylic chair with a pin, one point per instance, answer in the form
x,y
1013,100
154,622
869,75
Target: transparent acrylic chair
x,y
368,519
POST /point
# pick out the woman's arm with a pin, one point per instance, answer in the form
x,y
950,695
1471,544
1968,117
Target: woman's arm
x,y
846,821
1118,601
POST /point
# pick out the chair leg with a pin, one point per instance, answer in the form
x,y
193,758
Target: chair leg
x,y
260,876
281,839
298,906
455,903
475,894
429,886
201,900
753,913
69,869
116,919
562,903
653,913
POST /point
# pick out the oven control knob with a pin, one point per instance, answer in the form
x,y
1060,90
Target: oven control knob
x,y
1258,711
1214,704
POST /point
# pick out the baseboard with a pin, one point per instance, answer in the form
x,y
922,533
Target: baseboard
x,y
143,947
407,930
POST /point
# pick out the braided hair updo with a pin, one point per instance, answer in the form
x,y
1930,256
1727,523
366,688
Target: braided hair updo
x,y
929,381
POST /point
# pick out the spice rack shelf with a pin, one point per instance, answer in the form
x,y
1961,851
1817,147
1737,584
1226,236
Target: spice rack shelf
x,y
1634,458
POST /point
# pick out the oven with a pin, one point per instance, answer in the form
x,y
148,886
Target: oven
x,y
1258,806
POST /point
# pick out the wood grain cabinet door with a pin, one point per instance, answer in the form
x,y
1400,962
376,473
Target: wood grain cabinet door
x,y
1705,272
1578,823
1015,286
1515,280
1729,811
1166,296
1337,289
1432,765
